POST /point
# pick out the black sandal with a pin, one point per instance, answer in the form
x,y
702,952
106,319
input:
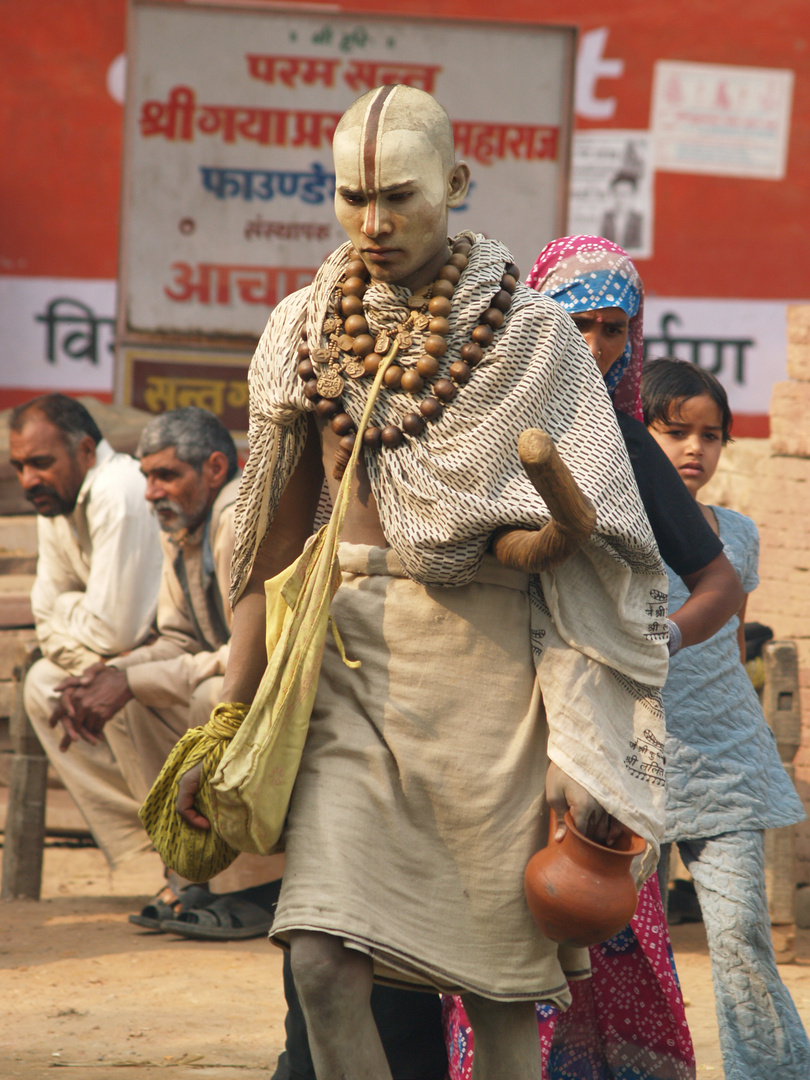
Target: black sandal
x,y
168,905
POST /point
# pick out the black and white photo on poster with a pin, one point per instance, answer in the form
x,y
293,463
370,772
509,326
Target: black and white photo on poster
x,y
611,192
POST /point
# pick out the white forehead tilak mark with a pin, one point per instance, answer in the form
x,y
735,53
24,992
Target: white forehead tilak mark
x,y
370,151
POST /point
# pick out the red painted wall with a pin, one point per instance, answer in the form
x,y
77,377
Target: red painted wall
x,y
61,135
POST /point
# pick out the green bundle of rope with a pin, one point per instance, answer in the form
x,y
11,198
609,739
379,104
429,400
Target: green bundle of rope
x,y
196,854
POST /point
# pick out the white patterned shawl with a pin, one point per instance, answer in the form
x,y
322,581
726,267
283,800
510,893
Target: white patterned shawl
x,y
597,639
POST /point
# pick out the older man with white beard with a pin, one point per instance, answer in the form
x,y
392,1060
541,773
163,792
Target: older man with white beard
x,y
138,704
482,689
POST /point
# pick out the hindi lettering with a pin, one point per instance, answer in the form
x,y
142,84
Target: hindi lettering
x,y
72,330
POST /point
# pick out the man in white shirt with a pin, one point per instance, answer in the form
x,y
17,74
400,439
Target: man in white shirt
x,y
137,705
97,581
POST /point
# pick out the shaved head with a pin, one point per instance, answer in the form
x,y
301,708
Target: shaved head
x,y
400,108
396,178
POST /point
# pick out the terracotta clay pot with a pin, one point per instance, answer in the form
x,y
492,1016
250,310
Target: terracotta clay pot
x,y
580,892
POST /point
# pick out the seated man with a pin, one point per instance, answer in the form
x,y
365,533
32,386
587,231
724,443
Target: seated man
x,y
419,797
141,702
96,587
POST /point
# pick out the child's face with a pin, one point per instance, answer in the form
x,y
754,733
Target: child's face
x,y
693,439
605,331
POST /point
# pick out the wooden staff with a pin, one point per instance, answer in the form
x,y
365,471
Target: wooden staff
x,y
573,516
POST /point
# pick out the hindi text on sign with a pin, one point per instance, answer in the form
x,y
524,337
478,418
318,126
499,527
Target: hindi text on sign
x,y
72,330
180,116
717,349
208,283
359,75
312,187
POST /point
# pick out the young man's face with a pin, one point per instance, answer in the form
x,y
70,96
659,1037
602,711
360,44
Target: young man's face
x,y
623,194
50,470
392,200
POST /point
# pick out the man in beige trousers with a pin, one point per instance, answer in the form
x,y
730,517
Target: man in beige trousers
x,y
140,702
95,592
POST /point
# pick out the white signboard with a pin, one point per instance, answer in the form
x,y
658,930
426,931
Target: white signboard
x,y
57,334
229,121
742,342
612,182
721,120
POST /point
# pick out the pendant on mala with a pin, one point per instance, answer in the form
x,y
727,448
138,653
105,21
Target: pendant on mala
x,y
352,353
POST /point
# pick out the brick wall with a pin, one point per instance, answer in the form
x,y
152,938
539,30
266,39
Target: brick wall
x,y
770,481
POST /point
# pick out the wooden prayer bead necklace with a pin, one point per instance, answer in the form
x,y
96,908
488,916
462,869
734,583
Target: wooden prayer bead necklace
x,y
352,352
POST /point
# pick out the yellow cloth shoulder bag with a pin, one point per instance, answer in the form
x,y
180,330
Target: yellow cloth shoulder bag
x,y
250,757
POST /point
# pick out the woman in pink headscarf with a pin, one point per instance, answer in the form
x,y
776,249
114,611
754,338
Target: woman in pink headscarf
x,y
598,285
628,1020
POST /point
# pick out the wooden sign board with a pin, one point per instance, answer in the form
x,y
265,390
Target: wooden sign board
x,y
158,380
230,112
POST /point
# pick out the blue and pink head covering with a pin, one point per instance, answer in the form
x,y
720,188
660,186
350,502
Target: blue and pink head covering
x,y
585,273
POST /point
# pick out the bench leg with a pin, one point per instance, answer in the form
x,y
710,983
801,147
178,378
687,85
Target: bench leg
x,y
25,820
25,828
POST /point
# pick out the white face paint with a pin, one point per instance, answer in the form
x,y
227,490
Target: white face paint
x,y
391,199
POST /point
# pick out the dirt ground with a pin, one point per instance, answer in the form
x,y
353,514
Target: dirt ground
x,y
83,989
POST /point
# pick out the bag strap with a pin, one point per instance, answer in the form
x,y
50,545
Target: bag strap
x,y
344,491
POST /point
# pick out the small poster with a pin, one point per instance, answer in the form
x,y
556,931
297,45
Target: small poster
x,y
721,120
612,189
158,380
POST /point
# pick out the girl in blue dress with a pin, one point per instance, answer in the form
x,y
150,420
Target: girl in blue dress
x,y
725,781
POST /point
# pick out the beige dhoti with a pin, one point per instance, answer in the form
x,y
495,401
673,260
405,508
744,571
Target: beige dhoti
x,y
419,799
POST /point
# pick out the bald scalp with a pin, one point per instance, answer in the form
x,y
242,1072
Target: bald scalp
x,y
405,109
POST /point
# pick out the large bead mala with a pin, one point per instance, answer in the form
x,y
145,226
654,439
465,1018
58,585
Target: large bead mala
x,y
352,352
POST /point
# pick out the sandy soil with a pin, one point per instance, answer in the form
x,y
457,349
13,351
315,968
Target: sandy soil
x,y
83,989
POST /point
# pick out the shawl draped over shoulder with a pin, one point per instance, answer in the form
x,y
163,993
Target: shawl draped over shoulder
x,y
599,620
